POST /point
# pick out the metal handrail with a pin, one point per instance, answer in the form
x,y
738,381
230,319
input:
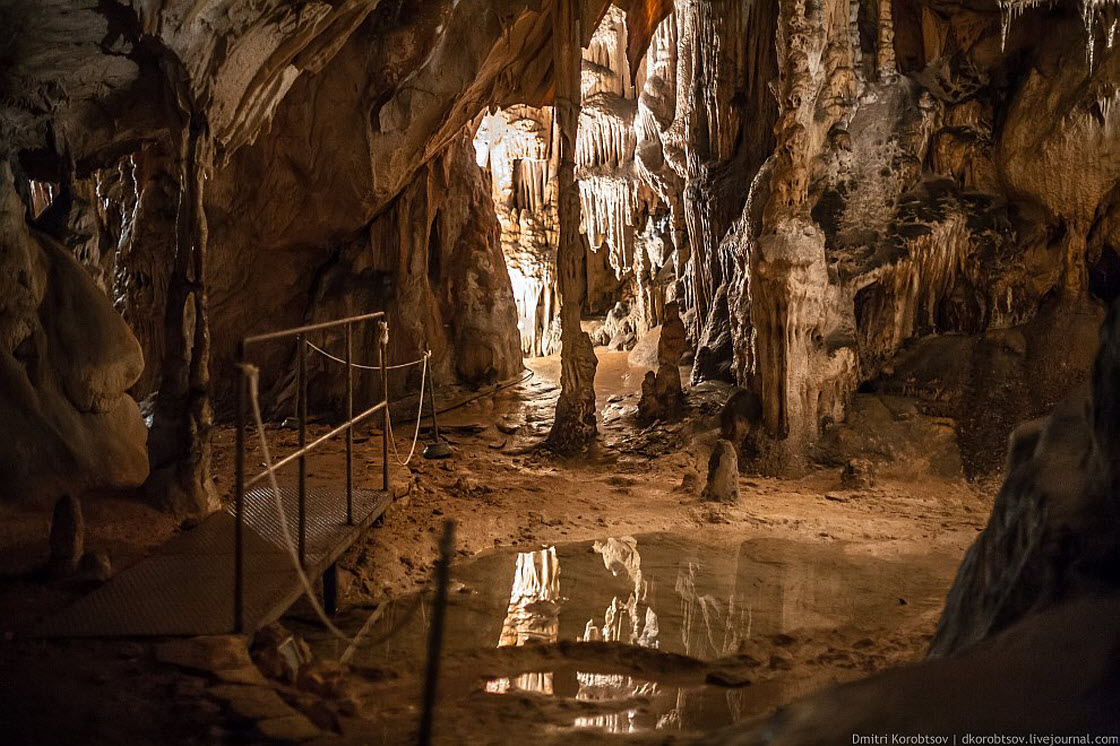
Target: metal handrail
x,y
314,444
295,331
300,334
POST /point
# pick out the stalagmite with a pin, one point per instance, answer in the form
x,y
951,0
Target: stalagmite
x,y
575,424
662,395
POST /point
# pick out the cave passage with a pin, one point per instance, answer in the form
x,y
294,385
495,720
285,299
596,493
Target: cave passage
x,y
560,371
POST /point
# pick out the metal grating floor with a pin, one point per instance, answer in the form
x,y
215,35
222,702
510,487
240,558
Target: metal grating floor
x,y
186,586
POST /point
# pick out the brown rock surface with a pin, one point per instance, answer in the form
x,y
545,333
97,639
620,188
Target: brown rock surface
x,y
66,361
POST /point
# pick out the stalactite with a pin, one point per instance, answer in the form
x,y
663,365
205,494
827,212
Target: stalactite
x,y
609,211
615,200
722,65
1097,16
148,205
909,291
516,144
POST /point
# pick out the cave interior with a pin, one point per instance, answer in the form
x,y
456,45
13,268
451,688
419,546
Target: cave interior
x,y
572,371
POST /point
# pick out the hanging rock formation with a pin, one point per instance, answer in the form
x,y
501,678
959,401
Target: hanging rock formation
x,y
515,145
905,201
837,195
267,88
622,220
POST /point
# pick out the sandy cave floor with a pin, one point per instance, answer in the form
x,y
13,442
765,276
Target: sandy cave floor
x,y
859,582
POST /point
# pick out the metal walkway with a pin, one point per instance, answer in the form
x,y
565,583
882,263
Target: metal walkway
x,y
187,586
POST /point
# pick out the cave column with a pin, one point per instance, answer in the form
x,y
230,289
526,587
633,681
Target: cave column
x,y
888,68
150,205
575,425
179,439
789,284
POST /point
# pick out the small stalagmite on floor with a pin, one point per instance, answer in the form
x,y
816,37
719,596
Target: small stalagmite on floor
x,y
723,474
662,394
67,537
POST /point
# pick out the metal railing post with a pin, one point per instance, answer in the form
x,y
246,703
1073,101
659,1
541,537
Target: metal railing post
x,y
383,354
239,498
350,425
432,401
301,407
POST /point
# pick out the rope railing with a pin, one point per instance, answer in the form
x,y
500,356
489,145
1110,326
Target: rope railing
x,y
359,366
249,376
424,360
253,374
419,416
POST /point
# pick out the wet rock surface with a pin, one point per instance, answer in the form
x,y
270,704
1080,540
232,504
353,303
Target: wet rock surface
x,y
653,631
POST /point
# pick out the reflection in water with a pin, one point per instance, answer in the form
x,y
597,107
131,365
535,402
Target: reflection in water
x,y
680,594
622,622
533,615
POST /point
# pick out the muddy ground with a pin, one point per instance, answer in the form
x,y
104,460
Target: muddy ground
x,y
508,497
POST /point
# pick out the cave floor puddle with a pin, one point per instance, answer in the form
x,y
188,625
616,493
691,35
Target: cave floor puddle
x,y
533,628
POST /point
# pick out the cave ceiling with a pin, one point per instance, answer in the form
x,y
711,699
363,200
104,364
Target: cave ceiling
x,y
80,78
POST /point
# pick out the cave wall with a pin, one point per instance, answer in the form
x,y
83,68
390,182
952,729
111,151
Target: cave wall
x,y
911,199
357,143
256,145
828,190
66,360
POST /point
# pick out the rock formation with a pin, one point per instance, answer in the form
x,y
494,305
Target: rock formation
x,y
1053,533
723,474
741,417
662,395
67,537
885,199
67,360
195,125
575,423
834,195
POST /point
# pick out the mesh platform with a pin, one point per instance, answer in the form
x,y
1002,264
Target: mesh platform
x,y
186,586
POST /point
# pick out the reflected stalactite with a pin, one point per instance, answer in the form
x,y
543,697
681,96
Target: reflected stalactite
x,y
533,616
632,622
713,623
